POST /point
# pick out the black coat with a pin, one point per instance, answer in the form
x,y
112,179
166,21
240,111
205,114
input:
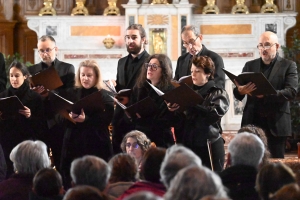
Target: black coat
x,y
184,64
3,75
284,79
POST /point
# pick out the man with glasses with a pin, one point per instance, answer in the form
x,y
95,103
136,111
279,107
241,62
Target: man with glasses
x,y
270,112
192,41
127,73
47,51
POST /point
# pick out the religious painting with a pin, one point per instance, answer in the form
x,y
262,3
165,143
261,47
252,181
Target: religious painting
x,y
158,41
288,5
271,27
51,30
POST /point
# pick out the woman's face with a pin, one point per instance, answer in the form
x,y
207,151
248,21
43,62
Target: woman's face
x,y
154,71
133,149
16,77
198,76
87,77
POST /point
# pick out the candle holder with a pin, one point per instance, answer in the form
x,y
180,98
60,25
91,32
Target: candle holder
x,y
108,42
269,7
47,9
80,9
240,7
211,7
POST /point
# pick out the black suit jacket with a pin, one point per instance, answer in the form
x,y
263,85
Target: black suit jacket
x,y
183,68
3,76
284,79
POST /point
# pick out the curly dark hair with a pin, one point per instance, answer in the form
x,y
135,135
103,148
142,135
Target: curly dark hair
x,y
206,64
141,139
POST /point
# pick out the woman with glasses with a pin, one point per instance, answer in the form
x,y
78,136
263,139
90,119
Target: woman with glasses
x,y
158,71
90,134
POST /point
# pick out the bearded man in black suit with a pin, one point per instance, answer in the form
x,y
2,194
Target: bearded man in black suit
x,y
127,73
47,51
270,112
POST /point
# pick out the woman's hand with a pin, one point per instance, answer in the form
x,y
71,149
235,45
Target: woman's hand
x,y
78,118
172,107
26,112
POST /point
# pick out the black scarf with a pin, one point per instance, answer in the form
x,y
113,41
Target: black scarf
x,y
204,89
19,92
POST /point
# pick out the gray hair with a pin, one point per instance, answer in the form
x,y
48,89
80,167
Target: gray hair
x,y
90,170
246,149
190,28
176,158
195,182
30,156
43,38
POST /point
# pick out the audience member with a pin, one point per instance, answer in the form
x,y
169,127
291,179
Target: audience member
x,y
28,158
143,195
135,143
84,192
47,185
176,158
287,192
272,177
245,152
261,134
128,70
150,166
124,173
195,182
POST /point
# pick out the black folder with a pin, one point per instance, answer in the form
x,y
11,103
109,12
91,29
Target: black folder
x,y
49,78
263,86
10,106
118,95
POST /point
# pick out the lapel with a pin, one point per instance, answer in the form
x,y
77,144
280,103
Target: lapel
x,y
256,66
275,69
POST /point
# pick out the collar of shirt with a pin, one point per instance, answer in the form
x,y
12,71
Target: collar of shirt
x,y
45,66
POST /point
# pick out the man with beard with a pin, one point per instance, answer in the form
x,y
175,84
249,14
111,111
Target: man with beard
x,y
270,112
128,70
47,51
192,41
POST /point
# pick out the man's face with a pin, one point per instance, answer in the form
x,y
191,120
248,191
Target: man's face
x,y
267,47
134,42
191,42
47,51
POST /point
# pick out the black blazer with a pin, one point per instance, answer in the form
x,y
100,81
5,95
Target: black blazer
x,y
3,76
183,68
284,79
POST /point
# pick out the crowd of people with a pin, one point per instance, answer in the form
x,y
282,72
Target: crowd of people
x,y
172,153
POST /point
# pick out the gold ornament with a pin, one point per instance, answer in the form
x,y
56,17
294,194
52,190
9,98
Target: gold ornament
x,y
112,8
210,8
48,9
159,2
240,7
108,42
80,9
269,7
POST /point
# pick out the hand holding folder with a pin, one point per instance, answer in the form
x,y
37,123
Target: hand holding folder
x,y
48,78
10,106
263,86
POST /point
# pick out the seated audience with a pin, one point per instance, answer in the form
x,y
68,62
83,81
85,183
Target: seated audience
x,y
193,183
261,134
135,143
287,192
143,195
47,185
124,173
176,158
245,152
150,166
272,177
84,192
28,157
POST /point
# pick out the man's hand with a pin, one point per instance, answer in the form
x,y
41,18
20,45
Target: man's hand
x,y
245,89
172,107
41,90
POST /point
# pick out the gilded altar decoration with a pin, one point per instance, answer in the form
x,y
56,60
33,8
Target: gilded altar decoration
x,y
158,19
47,9
80,9
240,7
108,42
269,7
159,2
112,8
211,7
157,41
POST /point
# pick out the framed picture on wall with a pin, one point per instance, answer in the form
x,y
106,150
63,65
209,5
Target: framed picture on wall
x,y
288,5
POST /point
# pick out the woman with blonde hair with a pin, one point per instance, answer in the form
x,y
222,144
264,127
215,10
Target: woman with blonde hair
x,y
90,134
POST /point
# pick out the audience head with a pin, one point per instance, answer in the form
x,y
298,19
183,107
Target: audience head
x,y
191,39
90,170
47,182
177,157
123,168
144,195
135,39
195,182
29,157
89,75
84,192
158,70
47,49
272,177
203,69
287,192
246,149
151,163
261,134
135,143
18,74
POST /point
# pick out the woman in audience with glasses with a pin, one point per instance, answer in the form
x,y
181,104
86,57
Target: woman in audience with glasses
x,y
157,125
90,134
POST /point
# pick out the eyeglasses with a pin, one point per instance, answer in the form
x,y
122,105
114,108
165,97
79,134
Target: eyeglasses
x,y
152,66
191,42
48,50
134,145
267,46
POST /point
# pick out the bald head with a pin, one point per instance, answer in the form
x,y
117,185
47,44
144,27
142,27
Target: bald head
x,y
268,41
269,36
